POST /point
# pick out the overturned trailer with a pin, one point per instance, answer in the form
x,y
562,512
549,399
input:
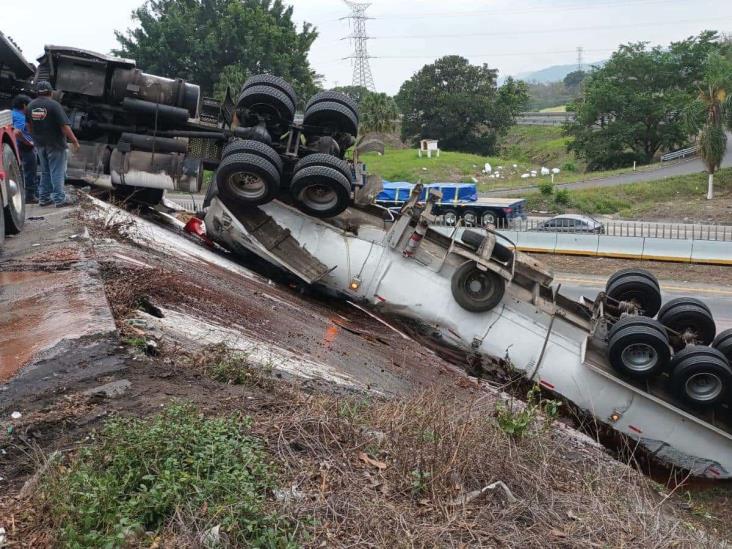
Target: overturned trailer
x,y
142,134
608,357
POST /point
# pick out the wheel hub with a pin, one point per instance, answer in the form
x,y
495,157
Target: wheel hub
x,y
639,357
703,387
248,185
319,197
15,195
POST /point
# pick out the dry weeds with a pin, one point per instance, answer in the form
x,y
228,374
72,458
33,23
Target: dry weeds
x,y
407,473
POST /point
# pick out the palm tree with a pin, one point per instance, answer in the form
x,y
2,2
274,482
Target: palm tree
x,y
710,112
379,113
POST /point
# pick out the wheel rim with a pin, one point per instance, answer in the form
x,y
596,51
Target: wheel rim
x,y
16,198
248,185
470,219
639,357
318,197
479,286
489,219
450,218
703,387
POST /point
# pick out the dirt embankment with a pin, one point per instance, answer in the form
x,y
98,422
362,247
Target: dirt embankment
x,y
376,440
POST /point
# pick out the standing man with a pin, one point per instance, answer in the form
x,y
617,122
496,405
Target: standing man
x,y
27,149
50,127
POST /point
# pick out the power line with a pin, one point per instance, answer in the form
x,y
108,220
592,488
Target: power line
x,y
550,9
496,54
546,31
360,57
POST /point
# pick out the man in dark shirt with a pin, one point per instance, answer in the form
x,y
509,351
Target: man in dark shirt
x,y
50,127
26,147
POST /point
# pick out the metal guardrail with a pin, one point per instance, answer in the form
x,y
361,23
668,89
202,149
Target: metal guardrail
x,y
682,153
631,229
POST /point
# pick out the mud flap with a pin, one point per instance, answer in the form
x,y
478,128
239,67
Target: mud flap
x,y
257,232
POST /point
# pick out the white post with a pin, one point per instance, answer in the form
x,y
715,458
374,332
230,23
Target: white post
x,y
552,179
710,187
633,165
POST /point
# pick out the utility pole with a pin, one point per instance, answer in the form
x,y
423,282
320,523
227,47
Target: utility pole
x,y
360,57
580,60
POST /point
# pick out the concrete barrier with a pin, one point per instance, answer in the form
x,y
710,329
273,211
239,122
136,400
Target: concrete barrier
x,y
537,242
662,249
715,253
577,244
626,247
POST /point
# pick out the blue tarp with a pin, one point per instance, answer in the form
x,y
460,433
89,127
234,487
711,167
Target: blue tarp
x,y
399,191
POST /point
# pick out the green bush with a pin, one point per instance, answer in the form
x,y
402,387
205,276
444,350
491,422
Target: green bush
x,y
562,197
569,167
139,473
546,188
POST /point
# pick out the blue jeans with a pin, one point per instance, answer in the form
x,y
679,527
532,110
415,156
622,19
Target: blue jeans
x,y
30,173
53,174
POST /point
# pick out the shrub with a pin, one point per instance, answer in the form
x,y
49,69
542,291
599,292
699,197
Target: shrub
x,y
562,197
569,167
546,188
140,473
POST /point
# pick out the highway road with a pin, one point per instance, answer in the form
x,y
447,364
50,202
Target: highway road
x,y
674,169
719,298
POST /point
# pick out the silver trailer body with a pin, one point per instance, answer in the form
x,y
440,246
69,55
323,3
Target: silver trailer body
x,y
543,335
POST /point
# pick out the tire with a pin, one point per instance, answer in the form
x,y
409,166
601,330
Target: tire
x,y
723,343
274,82
474,239
701,376
2,225
332,117
674,302
247,179
689,314
470,218
335,97
267,102
635,272
143,195
634,320
638,349
321,159
320,191
239,146
475,290
15,210
488,218
637,289
451,217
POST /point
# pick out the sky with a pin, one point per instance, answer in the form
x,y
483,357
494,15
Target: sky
x,y
515,36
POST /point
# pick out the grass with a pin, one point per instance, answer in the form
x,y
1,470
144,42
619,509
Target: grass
x,y
675,194
558,108
141,476
232,367
538,145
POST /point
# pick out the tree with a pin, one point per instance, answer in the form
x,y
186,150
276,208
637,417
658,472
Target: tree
x,y
379,113
710,112
459,104
215,43
573,81
357,93
632,107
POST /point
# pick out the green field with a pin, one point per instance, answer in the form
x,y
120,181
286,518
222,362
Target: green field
x,y
527,147
680,198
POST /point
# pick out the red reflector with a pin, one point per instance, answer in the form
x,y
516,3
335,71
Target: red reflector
x,y
380,298
714,471
633,428
546,384
507,210
195,226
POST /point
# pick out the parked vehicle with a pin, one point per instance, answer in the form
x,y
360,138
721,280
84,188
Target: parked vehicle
x,y
571,223
460,201
12,189
142,134
655,380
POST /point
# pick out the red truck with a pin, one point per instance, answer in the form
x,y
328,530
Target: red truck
x,y
12,192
